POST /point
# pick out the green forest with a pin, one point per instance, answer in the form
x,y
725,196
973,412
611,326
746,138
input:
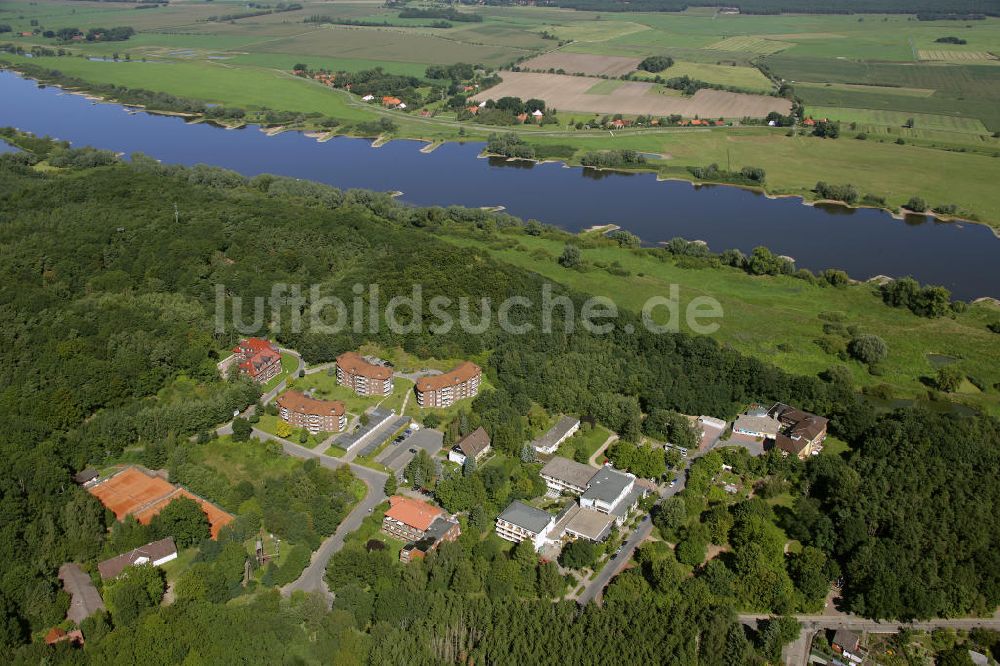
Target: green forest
x,y
110,299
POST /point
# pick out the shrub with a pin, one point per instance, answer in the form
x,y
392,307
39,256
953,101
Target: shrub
x,y
868,348
916,204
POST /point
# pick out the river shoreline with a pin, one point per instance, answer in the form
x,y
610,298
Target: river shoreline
x,y
435,173
433,144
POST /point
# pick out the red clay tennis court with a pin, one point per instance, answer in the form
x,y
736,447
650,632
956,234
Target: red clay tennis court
x,y
137,493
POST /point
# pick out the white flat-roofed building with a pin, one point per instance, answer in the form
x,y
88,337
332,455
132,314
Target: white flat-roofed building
x,y
520,522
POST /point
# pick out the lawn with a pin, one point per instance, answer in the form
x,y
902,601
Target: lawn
x,y
752,305
242,461
289,364
899,118
587,440
272,424
326,388
605,87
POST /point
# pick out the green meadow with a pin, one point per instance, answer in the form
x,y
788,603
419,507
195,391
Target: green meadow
x,y
777,319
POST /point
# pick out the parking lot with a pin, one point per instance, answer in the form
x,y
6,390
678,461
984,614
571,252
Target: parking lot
x,y
397,456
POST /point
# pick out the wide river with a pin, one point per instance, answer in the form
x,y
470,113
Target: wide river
x,y
963,257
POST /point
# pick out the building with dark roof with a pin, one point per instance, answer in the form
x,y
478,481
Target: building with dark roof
x,y
86,477
802,434
520,522
564,428
613,493
474,445
563,475
445,389
155,553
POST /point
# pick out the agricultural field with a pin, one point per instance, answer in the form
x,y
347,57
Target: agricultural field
x,y
749,43
956,56
580,63
899,119
875,71
632,97
748,78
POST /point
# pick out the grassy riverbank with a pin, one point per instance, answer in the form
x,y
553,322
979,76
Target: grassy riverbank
x,y
778,318
794,164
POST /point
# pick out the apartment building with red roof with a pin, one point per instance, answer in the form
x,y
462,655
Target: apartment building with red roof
x,y
422,525
258,359
302,411
443,390
362,376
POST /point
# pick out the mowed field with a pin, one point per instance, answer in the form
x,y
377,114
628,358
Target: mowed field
x,y
899,119
955,56
582,63
573,93
748,78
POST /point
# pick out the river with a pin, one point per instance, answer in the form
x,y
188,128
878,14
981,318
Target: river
x,y
965,258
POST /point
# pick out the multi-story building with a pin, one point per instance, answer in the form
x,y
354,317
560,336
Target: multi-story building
x,y
362,377
301,411
443,390
563,475
423,526
519,522
802,433
612,493
564,428
258,359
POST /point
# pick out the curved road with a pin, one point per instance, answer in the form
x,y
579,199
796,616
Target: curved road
x,y
312,578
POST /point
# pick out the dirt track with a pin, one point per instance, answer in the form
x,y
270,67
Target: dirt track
x,y
569,93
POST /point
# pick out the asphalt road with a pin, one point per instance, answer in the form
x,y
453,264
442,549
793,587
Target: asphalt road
x,y
311,579
797,653
639,534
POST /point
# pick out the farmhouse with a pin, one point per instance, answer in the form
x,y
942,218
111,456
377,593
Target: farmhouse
x,y
563,475
443,390
474,445
155,553
258,359
301,411
564,428
520,522
362,376
420,524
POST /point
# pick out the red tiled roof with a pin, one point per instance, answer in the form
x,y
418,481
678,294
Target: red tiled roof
x,y
302,404
462,372
355,364
418,515
256,354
